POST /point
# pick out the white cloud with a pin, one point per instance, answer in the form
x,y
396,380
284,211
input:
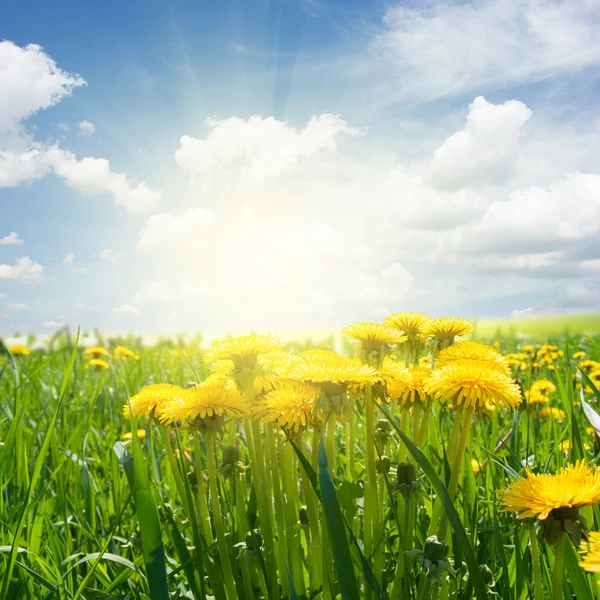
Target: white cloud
x,y
127,310
79,270
68,258
86,128
12,239
18,306
92,176
485,151
428,50
32,82
24,270
167,233
523,312
2,295
255,149
110,256
52,324
80,305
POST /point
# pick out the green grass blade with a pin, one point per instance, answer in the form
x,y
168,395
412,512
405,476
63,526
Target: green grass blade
x,y
150,533
37,469
337,531
577,577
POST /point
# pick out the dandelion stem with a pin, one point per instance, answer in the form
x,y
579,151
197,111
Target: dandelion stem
x,y
535,562
457,463
218,520
557,576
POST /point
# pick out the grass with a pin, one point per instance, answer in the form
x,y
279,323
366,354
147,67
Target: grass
x,y
86,514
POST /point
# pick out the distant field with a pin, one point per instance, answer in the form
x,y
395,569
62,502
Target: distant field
x,y
539,327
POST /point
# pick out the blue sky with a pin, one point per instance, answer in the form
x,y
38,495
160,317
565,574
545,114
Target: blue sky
x,y
286,164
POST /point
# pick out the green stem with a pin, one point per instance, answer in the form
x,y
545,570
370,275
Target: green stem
x,y
279,516
218,520
203,512
310,499
557,577
457,463
165,431
535,562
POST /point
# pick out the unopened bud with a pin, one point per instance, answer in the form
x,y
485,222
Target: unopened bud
x,y
254,539
406,473
382,464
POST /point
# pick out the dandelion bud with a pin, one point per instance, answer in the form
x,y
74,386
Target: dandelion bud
x,y
303,516
435,549
383,464
254,539
486,574
406,473
231,455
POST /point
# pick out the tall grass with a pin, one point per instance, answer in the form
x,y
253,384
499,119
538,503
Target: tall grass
x,y
179,514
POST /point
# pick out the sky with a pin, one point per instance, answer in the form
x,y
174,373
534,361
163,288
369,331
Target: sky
x,y
288,164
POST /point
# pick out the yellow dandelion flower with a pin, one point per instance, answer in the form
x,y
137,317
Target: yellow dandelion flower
x,y
323,368
473,351
98,363
590,430
475,384
565,445
19,350
242,351
372,336
476,466
149,399
141,433
573,486
410,386
122,353
528,348
96,351
578,355
446,329
496,345
412,323
591,560
211,398
535,397
389,371
291,405
546,349
543,386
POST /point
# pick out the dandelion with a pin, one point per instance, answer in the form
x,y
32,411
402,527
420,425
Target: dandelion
x,y
591,560
473,351
555,413
444,330
215,398
373,336
96,351
476,466
122,353
539,496
411,323
19,350
242,351
528,349
389,371
410,386
98,363
291,405
543,386
150,399
141,434
535,397
473,384
578,355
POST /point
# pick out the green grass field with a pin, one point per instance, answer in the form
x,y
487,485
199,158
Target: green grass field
x,y
230,502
